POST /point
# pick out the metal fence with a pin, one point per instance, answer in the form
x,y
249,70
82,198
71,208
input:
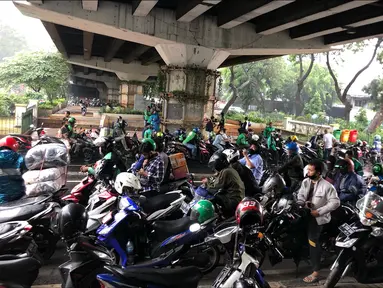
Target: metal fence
x,y
10,125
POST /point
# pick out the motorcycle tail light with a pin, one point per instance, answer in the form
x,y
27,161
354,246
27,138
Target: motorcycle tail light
x,y
107,218
28,228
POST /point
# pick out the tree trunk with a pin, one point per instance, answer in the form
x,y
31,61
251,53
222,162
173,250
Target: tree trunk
x,y
347,110
298,107
376,121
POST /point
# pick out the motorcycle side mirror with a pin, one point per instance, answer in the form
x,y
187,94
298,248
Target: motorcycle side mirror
x,y
224,235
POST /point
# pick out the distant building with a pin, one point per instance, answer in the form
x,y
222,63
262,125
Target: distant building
x,y
359,100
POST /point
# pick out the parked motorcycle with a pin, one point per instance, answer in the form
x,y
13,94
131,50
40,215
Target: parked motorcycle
x,y
360,244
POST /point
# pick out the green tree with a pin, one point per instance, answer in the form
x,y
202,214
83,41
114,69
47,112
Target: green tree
x,y
10,41
375,90
41,71
314,105
342,95
361,118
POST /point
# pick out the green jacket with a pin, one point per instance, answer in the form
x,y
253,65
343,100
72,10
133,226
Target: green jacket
x,y
148,134
241,140
189,138
147,115
108,156
267,131
358,167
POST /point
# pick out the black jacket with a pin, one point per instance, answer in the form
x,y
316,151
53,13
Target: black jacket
x,y
248,179
293,167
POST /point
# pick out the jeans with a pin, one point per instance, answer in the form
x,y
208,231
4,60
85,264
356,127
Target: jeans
x,y
313,233
219,147
193,148
326,153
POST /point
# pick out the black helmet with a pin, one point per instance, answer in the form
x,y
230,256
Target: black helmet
x,y
72,220
218,161
104,169
274,183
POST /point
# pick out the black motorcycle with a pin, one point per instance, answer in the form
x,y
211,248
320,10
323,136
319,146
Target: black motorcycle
x,y
361,247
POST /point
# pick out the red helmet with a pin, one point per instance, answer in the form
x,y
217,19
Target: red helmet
x,y
249,212
364,143
10,143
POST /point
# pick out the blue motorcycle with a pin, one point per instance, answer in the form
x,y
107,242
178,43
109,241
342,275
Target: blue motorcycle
x,y
134,240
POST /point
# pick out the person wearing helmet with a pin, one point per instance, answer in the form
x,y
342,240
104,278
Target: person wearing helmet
x,y
159,140
358,167
242,139
12,164
191,141
252,160
328,141
220,140
246,175
228,183
71,125
202,211
152,172
155,120
293,169
321,198
269,129
348,184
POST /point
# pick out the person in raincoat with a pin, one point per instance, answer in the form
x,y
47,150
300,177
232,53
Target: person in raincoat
x,y
191,141
12,164
148,133
155,121
242,139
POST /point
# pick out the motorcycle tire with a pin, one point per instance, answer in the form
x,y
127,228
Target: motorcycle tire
x,y
214,257
335,274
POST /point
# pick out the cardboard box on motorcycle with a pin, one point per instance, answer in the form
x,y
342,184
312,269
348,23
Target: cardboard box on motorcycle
x,y
179,166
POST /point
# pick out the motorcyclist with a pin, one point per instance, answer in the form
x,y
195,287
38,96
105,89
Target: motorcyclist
x,y
220,140
148,132
12,164
191,141
119,132
377,144
246,175
358,167
268,130
229,185
242,140
71,126
293,169
181,134
152,172
253,160
159,140
349,185
155,120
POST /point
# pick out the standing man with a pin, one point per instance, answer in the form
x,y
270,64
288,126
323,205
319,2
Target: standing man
x,y
221,124
67,116
321,198
253,161
328,141
209,127
246,124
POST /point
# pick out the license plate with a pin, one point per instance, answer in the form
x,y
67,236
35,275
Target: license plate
x,y
346,229
185,207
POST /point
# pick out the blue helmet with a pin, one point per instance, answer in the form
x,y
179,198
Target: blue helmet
x,y
196,130
292,146
377,138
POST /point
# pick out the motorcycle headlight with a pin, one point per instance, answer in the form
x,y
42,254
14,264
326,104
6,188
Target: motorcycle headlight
x,y
377,232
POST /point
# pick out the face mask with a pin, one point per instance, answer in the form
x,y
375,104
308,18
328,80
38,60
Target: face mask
x,y
314,177
252,151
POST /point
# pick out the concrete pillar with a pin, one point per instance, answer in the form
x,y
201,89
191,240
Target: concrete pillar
x,y
19,110
113,95
190,82
129,92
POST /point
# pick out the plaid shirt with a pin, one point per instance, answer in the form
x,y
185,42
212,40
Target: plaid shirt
x,y
155,169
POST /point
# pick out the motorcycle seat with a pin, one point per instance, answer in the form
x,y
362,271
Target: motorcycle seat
x,y
164,229
180,277
150,205
21,213
6,227
24,202
12,265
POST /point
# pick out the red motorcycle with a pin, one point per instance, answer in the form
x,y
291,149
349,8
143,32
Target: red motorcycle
x,y
25,140
82,191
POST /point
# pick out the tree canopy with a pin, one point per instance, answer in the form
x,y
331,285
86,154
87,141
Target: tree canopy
x,y
41,71
11,42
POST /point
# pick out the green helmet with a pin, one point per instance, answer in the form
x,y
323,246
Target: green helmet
x,y
377,170
72,120
202,211
145,147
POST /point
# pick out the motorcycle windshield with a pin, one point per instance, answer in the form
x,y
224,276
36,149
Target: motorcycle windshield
x,y
370,209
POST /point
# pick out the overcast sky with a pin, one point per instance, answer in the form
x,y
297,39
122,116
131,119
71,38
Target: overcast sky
x,y
39,39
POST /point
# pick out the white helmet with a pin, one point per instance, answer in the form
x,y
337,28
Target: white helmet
x,y
255,137
231,154
126,180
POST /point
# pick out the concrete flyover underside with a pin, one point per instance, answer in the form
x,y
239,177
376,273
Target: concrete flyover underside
x,y
133,39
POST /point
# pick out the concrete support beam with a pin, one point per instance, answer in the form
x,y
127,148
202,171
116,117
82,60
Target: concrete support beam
x,y
114,46
359,34
186,55
135,53
86,70
155,57
132,71
234,13
87,44
160,27
301,12
55,36
91,5
36,1
99,72
143,7
109,81
188,10
354,18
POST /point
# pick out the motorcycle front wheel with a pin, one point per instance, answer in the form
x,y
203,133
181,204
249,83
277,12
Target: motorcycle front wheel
x,y
337,272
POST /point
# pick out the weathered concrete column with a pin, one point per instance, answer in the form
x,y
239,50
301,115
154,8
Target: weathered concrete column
x,y
190,82
128,92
